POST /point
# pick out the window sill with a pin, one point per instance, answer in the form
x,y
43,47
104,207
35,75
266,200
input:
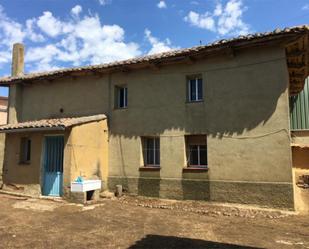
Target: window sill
x,y
193,102
24,163
120,108
194,169
149,168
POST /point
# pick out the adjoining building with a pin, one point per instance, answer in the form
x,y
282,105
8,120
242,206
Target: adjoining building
x,y
3,120
3,109
206,123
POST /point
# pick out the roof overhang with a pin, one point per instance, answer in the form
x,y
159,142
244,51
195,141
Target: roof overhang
x,y
298,34
297,54
22,130
58,124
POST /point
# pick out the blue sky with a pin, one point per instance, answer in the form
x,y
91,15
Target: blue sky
x,y
66,33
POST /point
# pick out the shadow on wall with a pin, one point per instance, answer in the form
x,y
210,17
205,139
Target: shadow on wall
x,y
196,190
149,184
158,241
239,101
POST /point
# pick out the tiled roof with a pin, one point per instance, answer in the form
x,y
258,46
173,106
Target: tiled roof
x,y
57,123
278,33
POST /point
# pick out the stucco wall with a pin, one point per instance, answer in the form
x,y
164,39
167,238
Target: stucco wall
x,y
26,177
244,113
87,153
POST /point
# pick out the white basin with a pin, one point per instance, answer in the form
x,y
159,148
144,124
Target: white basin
x,y
86,185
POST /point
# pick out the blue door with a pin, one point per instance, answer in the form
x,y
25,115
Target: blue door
x,y
53,165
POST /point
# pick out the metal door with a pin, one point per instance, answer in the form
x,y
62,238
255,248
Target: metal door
x,y
53,165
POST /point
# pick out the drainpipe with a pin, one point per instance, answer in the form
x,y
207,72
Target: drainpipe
x,y
15,90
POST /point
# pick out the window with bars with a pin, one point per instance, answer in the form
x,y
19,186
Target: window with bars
x,y
25,150
196,146
121,97
151,151
195,89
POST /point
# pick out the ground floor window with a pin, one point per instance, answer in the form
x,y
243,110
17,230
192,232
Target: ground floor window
x,y
25,150
196,150
151,151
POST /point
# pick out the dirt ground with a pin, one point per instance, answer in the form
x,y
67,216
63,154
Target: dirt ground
x,y
145,223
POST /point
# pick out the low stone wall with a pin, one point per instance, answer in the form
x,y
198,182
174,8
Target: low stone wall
x,y
273,195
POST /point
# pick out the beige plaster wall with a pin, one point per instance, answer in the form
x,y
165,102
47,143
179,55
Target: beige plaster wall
x,y
244,113
26,177
87,152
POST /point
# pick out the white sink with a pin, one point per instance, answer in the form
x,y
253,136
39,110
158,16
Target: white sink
x,y
86,185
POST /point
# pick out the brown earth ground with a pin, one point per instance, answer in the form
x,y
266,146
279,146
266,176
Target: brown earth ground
x,y
131,222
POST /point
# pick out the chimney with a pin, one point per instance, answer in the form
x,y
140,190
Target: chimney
x,y
15,90
18,59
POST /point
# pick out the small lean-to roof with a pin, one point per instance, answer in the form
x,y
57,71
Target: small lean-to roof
x,y
251,39
50,124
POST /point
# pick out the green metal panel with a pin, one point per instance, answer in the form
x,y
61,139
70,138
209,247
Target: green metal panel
x,y
299,109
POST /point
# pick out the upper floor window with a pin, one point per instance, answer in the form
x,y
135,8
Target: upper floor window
x,y
196,146
195,89
151,151
121,97
25,150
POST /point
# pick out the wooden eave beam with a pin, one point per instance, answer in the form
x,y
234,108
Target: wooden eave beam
x,y
190,60
154,65
297,53
294,66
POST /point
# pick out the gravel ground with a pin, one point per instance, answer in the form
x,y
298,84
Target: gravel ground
x,y
131,222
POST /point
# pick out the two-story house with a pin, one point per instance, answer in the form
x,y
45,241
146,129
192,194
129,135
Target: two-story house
x,y
209,123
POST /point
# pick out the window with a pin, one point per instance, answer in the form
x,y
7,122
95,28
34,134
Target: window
x,y
196,150
195,89
25,150
121,97
151,151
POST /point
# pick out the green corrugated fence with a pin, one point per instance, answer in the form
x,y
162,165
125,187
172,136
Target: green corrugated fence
x,y
299,109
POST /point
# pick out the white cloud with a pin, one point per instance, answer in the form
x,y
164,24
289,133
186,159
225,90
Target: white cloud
x,y
49,24
204,21
162,5
305,7
33,36
158,46
77,46
10,30
76,10
224,20
79,39
104,2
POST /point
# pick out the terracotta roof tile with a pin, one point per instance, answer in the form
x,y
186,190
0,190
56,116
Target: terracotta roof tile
x,y
57,123
161,56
